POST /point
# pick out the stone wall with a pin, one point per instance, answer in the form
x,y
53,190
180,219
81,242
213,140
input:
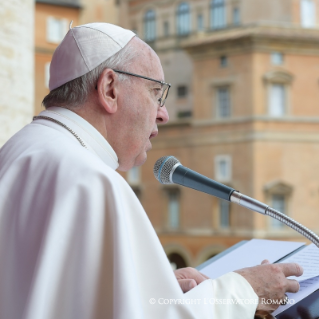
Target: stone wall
x,y
16,66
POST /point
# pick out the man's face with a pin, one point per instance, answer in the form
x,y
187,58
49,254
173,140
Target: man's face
x,y
139,111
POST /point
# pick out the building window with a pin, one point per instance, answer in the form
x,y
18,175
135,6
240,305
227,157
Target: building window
x,y
278,203
223,61
200,22
277,58
236,16
184,114
218,14
223,102
223,171
150,25
182,91
224,213
277,100
56,29
173,210
47,74
308,13
183,19
278,195
134,175
166,29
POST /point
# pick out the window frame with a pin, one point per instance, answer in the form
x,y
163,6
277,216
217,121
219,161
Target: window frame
x,y
176,194
223,61
236,16
149,25
136,170
200,25
218,113
166,28
178,89
224,203
308,23
274,55
183,19
63,29
283,107
218,176
218,14
274,223
275,188
282,78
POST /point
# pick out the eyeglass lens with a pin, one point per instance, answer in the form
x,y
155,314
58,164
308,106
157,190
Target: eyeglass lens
x,y
164,95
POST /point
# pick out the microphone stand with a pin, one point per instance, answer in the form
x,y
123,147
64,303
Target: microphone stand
x,y
264,209
168,170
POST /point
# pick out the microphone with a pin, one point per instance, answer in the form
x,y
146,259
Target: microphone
x,y
169,170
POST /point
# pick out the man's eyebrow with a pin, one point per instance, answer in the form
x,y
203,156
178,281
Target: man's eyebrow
x,y
155,83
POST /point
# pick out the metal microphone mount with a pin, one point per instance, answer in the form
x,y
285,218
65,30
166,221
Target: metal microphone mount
x,y
264,209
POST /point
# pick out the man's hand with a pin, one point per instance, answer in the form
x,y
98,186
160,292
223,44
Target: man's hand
x,y
270,283
188,278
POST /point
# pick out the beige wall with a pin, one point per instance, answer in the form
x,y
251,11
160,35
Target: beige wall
x,y
16,66
43,48
99,11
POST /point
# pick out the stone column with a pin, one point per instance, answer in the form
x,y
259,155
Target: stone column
x,y
16,66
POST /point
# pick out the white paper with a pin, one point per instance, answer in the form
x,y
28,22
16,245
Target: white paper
x,y
250,254
308,259
307,287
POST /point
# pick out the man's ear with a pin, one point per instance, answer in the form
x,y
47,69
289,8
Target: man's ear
x,y
107,90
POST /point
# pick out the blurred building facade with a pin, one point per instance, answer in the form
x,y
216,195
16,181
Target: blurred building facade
x,y
244,111
52,21
99,11
16,66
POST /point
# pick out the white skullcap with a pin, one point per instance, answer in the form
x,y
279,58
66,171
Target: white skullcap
x,y
83,49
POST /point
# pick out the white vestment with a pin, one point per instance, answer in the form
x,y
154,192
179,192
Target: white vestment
x,y
75,242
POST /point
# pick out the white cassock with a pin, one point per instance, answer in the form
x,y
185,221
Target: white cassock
x,y
75,242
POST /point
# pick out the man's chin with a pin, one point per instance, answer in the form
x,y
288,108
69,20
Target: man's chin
x,y
138,161
141,159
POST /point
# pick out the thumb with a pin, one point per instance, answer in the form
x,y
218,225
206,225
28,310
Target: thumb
x,y
265,262
187,284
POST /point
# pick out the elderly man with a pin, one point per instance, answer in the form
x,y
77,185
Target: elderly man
x,y
74,240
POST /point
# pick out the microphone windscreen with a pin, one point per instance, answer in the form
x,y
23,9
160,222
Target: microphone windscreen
x,y
163,168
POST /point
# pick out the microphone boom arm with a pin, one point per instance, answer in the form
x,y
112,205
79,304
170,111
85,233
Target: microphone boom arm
x,y
168,170
264,209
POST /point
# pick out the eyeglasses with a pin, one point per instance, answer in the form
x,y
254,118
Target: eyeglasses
x,y
165,86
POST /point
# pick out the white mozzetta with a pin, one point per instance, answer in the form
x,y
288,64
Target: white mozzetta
x,y
75,241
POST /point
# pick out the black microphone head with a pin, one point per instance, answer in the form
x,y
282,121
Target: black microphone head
x,y
163,168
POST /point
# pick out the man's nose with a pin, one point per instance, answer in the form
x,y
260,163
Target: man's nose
x,y
162,115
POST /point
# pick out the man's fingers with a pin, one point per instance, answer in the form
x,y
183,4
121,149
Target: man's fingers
x,y
187,284
206,277
291,269
264,262
195,274
293,286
